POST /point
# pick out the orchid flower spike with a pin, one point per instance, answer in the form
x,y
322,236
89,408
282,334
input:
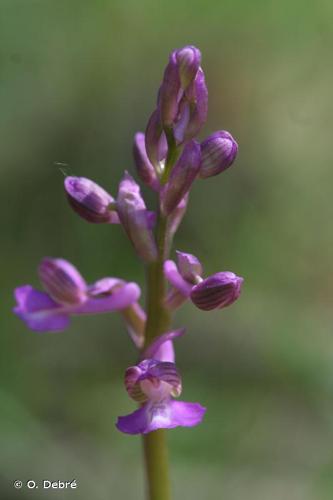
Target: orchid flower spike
x,y
215,292
155,384
68,294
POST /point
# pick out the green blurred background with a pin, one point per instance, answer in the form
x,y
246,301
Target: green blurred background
x,y
77,80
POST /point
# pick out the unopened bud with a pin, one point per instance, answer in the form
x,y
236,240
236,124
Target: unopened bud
x,y
188,59
217,291
90,201
218,152
181,178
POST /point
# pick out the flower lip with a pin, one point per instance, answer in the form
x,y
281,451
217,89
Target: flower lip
x,y
89,200
217,291
162,415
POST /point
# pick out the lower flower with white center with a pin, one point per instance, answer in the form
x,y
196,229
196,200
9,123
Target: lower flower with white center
x,y
155,383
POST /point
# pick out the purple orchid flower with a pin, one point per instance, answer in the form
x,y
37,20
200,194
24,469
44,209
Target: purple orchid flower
x,y
154,384
215,292
68,294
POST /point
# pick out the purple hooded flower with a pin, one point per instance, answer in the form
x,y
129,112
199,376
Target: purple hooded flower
x,y
154,384
67,295
182,176
136,219
90,201
218,152
215,292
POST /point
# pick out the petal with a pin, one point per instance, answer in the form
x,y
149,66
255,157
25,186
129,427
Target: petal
x,y
217,291
155,140
135,320
89,200
186,414
218,153
189,266
174,277
120,299
167,372
104,286
181,178
39,311
188,59
62,281
169,92
144,167
197,93
134,423
174,299
165,415
154,350
135,218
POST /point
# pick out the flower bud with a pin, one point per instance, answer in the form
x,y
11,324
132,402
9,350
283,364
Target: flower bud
x,y
197,95
181,177
90,200
155,140
218,152
62,281
169,93
189,267
136,219
188,59
217,291
144,167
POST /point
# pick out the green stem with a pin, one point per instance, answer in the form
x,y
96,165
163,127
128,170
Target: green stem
x,y
158,322
157,466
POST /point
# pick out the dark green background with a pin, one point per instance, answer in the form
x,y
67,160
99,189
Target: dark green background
x,y
77,80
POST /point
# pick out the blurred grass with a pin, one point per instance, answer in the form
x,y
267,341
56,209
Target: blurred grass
x,y
77,80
